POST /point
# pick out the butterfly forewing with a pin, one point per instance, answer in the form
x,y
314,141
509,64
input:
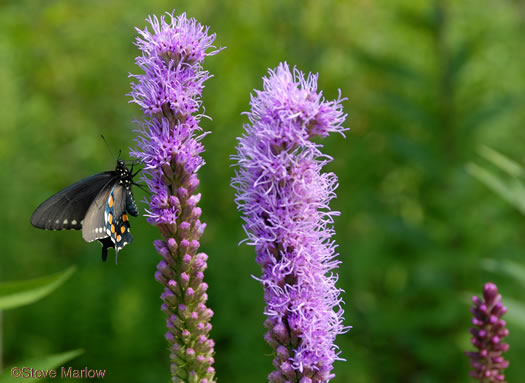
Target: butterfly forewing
x,y
67,208
107,218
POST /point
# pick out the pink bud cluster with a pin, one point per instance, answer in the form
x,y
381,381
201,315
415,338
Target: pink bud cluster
x,y
487,335
169,92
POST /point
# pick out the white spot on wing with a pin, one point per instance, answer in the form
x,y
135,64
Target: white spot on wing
x,y
74,222
65,222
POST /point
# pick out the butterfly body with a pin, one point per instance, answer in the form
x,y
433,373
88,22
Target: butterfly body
x,y
98,205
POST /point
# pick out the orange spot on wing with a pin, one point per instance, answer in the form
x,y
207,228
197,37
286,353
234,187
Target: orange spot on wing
x,y
125,217
122,229
112,228
110,202
119,238
110,218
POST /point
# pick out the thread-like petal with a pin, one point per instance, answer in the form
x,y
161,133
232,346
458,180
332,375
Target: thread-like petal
x,y
284,198
168,145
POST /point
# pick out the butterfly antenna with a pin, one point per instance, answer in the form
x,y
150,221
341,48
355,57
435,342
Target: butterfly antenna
x,y
133,162
134,174
109,148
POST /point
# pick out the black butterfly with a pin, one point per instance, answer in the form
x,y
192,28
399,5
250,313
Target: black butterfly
x,y
98,205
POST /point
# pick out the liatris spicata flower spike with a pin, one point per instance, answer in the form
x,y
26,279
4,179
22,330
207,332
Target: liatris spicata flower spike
x,y
488,363
169,147
284,198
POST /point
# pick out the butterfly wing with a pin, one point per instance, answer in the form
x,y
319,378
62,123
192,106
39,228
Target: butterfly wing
x,y
116,218
107,221
94,226
67,208
131,206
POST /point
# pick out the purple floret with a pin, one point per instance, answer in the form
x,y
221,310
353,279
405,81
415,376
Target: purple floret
x,y
169,93
284,198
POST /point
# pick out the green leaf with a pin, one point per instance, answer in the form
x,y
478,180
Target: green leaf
x,y
512,269
489,180
422,21
408,109
499,160
484,114
19,293
43,364
387,65
513,192
462,56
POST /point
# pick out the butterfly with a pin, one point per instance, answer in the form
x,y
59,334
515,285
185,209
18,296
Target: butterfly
x,y
98,205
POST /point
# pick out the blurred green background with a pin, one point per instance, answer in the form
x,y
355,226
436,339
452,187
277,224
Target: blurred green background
x,y
427,83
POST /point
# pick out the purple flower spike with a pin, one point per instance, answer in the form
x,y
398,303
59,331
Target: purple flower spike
x,y
488,363
284,196
169,92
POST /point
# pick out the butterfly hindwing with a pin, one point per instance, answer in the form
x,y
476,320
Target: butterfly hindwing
x,y
122,235
131,206
116,219
106,244
67,208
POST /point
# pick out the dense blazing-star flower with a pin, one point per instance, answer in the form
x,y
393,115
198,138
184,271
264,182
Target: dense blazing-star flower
x,y
487,334
284,195
169,92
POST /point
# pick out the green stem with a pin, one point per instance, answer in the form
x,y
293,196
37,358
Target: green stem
x,y
1,342
447,84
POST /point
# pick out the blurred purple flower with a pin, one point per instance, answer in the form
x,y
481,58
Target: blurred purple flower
x,y
284,198
488,363
169,92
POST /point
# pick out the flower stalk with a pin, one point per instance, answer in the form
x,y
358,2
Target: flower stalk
x,y
487,335
283,196
169,93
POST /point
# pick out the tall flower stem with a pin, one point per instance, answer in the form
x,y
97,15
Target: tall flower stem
x,y
169,92
284,196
